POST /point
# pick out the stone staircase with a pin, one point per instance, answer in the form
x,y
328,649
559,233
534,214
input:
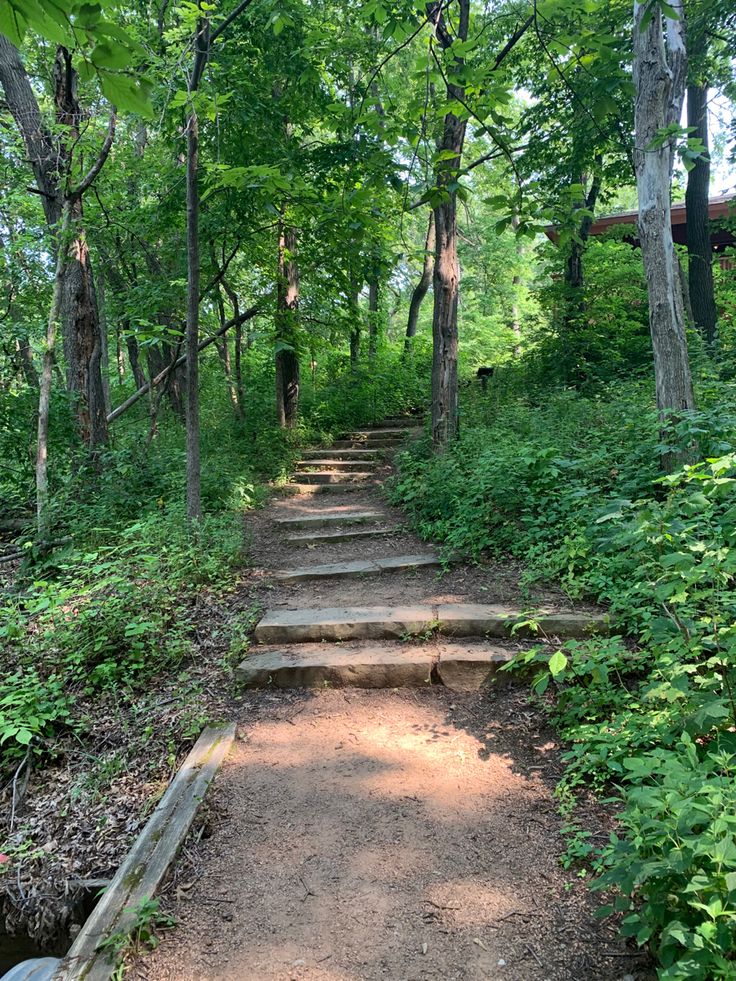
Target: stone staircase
x,y
458,644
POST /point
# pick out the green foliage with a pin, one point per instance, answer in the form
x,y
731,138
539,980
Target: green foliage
x,y
675,867
568,485
142,932
30,709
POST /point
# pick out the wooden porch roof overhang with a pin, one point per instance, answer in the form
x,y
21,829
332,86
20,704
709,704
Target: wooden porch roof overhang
x,y
718,208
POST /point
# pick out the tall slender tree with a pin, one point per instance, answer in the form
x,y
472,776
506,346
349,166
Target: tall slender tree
x,y
660,72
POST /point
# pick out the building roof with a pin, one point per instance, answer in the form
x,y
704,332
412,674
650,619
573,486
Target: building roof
x,y
723,206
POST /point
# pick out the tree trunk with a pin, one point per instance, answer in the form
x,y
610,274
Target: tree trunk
x,y
425,281
659,78
515,283
239,391
574,271
133,357
223,349
287,307
82,349
447,266
194,488
50,158
699,251
44,400
25,358
373,295
355,331
104,353
119,358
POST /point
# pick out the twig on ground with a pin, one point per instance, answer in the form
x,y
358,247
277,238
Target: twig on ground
x,y
18,795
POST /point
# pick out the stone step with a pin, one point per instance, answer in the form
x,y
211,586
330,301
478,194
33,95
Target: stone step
x,y
317,665
403,422
386,622
334,464
310,489
461,667
329,520
357,444
360,567
331,537
400,432
330,476
328,453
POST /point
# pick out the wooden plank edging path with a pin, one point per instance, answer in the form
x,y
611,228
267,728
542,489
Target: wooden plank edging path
x,y
150,858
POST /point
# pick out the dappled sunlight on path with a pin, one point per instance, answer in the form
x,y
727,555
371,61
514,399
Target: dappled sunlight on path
x,y
369,835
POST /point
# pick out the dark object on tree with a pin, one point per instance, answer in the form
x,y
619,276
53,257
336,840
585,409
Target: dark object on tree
x,y
484,374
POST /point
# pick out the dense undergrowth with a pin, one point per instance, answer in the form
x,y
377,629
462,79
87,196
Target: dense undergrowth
x,y
568,482
109,610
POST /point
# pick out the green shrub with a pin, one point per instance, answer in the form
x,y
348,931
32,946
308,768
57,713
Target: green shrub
x,y
675,867
570,485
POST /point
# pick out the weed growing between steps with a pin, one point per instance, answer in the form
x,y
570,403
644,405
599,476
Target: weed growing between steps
x,y
569,484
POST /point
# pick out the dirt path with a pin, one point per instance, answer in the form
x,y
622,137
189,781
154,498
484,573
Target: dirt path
x,y
402,834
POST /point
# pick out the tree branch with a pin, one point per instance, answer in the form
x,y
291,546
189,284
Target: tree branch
x,y
235,322
99,163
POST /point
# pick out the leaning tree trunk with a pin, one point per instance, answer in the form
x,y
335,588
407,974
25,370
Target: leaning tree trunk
x,y
699,251
425,281
659,79
447,265
287,310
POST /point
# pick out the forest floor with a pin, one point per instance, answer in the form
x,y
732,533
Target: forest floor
x,y
404,834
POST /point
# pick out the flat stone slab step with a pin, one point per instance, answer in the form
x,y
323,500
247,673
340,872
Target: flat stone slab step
x,y
328,520
375,444
346,535
331,476
361,567
461,667
412,422
347,454
399,432
334,463
303,488
397,622
314,666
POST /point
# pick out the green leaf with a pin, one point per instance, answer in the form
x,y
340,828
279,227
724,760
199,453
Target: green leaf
x,y
557,663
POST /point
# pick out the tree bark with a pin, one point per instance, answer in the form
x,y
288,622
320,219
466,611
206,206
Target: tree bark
x,y
373,317
133,357
104,352
25,357
50,157
287,308
515,283
44,400
194,477
355,326
447,267
699,250
239,390
223,349
574,272
425,281
659,78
